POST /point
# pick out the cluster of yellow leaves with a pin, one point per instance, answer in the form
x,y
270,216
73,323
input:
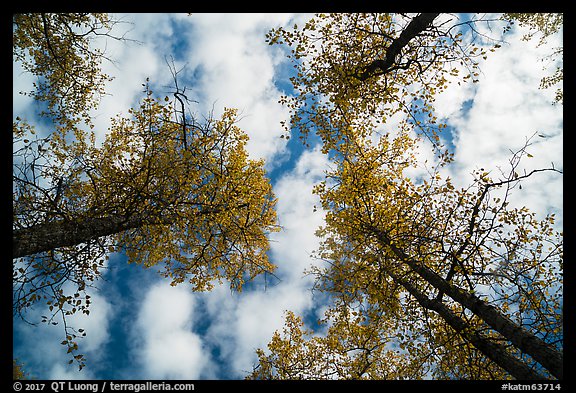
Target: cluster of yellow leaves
x,y
18,371
56,49
207,208
351,349
333,51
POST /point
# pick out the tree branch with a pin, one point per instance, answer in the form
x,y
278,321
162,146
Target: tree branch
x,y
414,28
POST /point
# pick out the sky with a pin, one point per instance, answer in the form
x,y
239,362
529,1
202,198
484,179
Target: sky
x,y
139,326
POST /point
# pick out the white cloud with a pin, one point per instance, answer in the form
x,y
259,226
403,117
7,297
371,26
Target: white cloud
x,y
292,246
165,344
226,61
22,82
241,323
132,62
504,109
237,69
95,325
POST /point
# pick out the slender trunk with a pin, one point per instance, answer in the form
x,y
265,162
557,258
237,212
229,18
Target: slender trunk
x,y
542,352
521,338
63,233
494,351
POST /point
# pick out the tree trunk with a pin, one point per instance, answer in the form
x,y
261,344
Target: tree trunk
x,y
521,338
62,233
494,351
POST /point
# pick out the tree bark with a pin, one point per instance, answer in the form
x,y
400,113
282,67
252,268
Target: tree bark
x,y
63,233
542,352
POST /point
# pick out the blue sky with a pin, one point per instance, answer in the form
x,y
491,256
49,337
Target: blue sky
x,y
142,328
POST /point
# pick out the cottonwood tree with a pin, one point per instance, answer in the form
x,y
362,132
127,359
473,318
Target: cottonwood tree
x,y
454,280
471,286
164,188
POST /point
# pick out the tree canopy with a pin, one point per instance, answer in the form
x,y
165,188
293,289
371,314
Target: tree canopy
x,y
428,280
425,278
163,187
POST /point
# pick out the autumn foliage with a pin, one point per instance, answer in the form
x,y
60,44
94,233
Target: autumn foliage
x,y
428,280
168,191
